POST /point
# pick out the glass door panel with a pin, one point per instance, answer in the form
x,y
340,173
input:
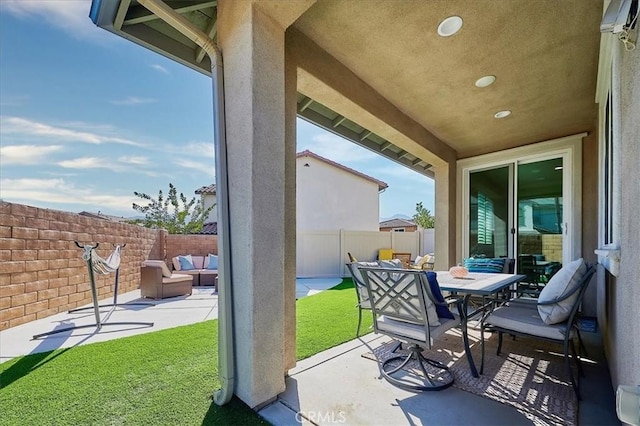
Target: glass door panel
x,y
489,212
540,219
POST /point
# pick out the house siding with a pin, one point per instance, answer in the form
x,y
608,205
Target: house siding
x,y
622,334
332,199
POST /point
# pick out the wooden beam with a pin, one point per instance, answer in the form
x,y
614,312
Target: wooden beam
x,y
121,14
304,104
365,134
211,32
338,120
140,14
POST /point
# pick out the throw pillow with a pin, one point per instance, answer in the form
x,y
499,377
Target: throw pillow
x,y
213,262
393,263
186,263
485,265
560,284
442,310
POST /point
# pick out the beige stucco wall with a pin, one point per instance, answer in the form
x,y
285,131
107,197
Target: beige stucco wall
x,y
623,316
331,199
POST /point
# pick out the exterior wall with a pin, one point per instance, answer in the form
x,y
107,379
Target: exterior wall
x,y
324,253
196,245
42,271
209,200
622,335
331,199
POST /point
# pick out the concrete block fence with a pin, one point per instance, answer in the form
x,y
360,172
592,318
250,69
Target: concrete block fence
x,y
41,269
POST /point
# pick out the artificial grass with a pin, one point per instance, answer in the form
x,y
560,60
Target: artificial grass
x,y
164,377
328,319
159,378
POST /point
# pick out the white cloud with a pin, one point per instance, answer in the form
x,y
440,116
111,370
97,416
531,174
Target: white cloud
x,y
26,154
26,127
69,16
57,191
132,100
337,149
160,68
90,163
205,167
135,160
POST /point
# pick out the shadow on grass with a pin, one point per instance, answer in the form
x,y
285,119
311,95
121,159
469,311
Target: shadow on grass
x,y
235,412
40,355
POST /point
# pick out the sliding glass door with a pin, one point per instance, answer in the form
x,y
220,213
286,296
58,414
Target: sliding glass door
x,y
517,210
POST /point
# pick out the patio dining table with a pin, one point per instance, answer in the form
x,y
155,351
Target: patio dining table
x,y
475,284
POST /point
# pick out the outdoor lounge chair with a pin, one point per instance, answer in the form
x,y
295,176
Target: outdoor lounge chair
x,y
157,282
404,303
552,317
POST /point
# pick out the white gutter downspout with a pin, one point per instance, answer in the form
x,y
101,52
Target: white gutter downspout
x,y
225,293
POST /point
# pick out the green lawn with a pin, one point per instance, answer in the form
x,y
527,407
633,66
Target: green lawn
x,y
163,377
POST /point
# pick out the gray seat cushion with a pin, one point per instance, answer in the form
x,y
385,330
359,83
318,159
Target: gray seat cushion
x,y
524,318
414,331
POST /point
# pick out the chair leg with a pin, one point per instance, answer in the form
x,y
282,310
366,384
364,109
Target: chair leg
x,y
435,375
567,363
499,343
576,356
359,321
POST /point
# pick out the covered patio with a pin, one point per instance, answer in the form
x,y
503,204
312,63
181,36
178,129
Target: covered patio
x,y
452,89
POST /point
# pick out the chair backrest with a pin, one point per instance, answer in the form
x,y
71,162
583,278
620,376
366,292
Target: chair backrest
x,y
527,266
358,282
580,288
402,296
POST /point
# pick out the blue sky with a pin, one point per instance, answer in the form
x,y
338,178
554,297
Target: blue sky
x,y
87,118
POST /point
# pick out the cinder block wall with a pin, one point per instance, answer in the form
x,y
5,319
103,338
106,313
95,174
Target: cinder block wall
x,y
42,271
196,245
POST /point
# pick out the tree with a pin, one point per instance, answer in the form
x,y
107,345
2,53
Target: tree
x,y
423,217
174,213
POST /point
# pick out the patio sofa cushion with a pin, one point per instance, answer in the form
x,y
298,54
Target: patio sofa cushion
x,y
211,262
560,284
159,264
186,263
442,310
487,265
392,263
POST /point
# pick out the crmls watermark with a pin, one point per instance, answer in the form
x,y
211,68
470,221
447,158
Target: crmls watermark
x,y
321,416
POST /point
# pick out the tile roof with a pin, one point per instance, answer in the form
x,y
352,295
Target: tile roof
x,y
210,228
396,223
307,153
209,189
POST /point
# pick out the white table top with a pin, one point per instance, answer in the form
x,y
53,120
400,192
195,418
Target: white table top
x,y
477,283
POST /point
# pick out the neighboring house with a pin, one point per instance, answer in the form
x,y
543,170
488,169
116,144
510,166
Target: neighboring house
x,y
208,198
398,225
329,196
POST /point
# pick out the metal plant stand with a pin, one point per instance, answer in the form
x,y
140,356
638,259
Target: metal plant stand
x,y
87,256
115,294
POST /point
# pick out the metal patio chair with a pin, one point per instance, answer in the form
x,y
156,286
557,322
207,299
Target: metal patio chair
x,y
403,307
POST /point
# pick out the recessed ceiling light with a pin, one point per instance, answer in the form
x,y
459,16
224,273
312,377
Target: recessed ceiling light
x,y
449,26
485,81
502,114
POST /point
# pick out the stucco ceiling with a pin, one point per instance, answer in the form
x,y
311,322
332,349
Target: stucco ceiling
x,y
544,54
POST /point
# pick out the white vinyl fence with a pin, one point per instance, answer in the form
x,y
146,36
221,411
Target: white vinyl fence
x,y
324,253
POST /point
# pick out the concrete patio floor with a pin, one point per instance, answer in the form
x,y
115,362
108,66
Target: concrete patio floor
x,y
339,386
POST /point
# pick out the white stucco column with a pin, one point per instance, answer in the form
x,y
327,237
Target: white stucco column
x,y
253,49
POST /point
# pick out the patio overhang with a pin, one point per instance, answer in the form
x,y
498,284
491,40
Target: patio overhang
x,y
544,58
